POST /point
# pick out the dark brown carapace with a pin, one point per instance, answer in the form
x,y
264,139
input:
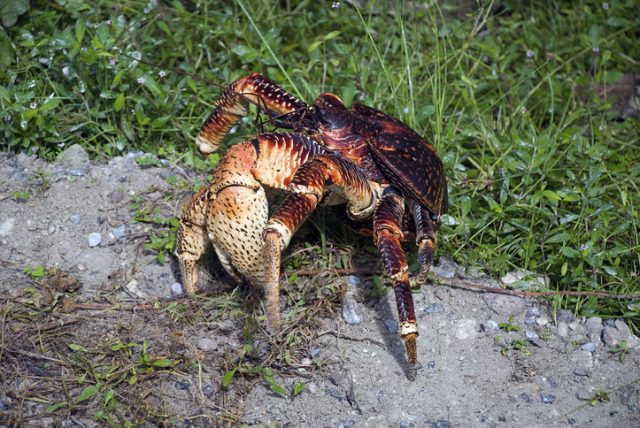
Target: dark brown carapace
x,y
380,168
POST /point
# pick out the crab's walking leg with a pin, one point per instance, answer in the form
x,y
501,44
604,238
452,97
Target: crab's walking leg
x,y
387,221
307,188
425,240
232,106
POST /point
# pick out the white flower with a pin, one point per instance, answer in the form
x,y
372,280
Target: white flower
x,y
523,110
65,70
530,53
146,10
601,128
596,50
335,5
112,62
33,106
605,6
141,80
583,247
162,73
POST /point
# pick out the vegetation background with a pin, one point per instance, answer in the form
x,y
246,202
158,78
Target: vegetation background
x,y
532,105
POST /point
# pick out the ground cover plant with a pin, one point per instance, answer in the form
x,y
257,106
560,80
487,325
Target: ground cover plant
x,y
531,105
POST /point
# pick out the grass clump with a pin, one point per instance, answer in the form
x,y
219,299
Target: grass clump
x,y
525,102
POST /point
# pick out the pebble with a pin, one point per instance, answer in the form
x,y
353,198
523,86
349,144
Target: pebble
x,y
442,423
611,336
353,280
490,326
434,308
115,196
547,398
182,386
525,397
132,287
6,227
563,329
77,172
594,327
392,326
349,313
504,305
589,347
205,344
564,315
466,329
542,321
73,157
346,423
446,268
74,218
312,387
581,371
314,351
531,336
306,362
582,359
584,394
533,312
208,390
177,289
118,232
94,239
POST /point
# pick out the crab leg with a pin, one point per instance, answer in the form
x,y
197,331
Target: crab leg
x,y
307,188
425,240
387,230
232,106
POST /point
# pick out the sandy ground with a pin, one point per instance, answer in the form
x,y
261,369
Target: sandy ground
x,y
71,336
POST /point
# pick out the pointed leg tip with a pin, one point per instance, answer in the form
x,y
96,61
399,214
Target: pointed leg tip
x,y
410,344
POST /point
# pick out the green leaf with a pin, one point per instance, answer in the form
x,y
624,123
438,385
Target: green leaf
x,y
76,347
298,387
6,50
55,406
118,104
551,195
80,28
162,363
228,378
278,389
11,9
88,393
560,237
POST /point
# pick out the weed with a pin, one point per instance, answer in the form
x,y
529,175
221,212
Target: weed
x,y
600,396
621,349
509,326
20,195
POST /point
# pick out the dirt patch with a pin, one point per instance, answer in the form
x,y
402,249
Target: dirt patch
x,y
95,331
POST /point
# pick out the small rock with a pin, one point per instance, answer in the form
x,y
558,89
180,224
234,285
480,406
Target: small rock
x,y
208,390
531,335
431,364
533,312
564,315
132,287
73,157
6,227
504,305
314,351
490,326
77,172
205,344
542,321
622,327
589,347
74,218
177,289
442,423
563,329
353,280
446,268
466,329
523,280
547,398
349,313
94,239
434,308
392,326
581,371
573,326
306,362
118,232
115,196
346,423
582,359
405,424
594,327
611,336
312,387
182,386
525,397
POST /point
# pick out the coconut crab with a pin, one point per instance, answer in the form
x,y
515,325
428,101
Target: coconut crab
x,y
360,156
